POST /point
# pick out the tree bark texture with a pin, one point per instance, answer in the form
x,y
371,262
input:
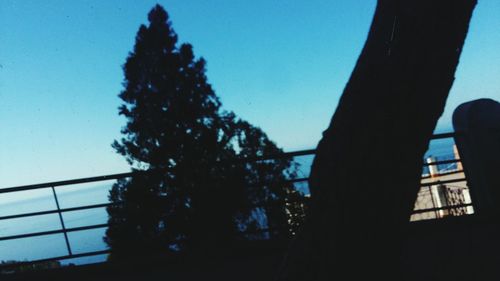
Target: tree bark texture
x,y
368,165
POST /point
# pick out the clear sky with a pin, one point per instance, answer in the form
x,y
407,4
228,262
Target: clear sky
x,y
281,65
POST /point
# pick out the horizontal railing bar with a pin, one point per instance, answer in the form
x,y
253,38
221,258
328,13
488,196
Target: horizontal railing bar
x,y
442,162
89,207
74,256
129,174
51,232
419,211
427,177
442,182
443,174
313,151
42,233
56,211
297,180
423,178
68,182
33,214
444,135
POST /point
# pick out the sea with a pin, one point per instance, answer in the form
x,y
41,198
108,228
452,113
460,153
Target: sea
x,y
47,246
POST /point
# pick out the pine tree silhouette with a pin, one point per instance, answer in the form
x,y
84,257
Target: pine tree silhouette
x,y
197,194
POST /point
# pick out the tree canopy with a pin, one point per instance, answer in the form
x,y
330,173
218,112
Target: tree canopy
x,y
198,192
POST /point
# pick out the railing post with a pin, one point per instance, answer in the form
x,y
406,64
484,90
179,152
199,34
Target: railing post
x,y
433,169
62,221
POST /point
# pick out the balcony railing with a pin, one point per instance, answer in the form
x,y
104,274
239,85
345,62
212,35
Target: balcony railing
x,y
441,195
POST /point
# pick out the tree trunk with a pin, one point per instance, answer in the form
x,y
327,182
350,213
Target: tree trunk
x,y
368,165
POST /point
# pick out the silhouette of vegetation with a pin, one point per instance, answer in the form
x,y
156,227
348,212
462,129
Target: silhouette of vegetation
x,y
23,266
198,193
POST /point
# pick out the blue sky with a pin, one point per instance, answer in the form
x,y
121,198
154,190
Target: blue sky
x,y
281,65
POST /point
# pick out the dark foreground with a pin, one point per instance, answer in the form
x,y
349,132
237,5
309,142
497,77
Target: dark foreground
x,y
461,248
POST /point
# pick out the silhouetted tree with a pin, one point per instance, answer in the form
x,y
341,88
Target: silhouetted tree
x,y
367,170
197,193
16,267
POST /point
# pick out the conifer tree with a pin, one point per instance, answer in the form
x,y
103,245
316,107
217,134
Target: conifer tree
x,y
195,187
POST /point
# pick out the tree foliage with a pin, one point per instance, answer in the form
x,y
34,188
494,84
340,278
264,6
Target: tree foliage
x,y
197,191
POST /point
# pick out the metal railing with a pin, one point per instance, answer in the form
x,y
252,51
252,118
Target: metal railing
x,y
59,211
434,208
